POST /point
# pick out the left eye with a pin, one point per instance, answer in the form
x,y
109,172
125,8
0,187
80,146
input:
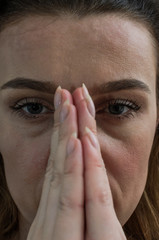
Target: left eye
x,y
118,109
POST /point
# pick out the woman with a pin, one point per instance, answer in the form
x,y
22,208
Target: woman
x,y
79,165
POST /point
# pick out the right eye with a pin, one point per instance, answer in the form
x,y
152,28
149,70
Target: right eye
x,y
32,108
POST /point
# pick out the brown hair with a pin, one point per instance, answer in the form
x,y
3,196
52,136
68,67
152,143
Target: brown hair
x,y
144,223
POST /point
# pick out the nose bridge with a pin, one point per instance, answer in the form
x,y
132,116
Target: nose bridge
x,y
75,73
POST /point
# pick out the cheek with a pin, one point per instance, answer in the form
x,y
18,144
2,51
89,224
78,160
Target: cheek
x,y
127,165
126,161
25,161
28,156
127,158
126,152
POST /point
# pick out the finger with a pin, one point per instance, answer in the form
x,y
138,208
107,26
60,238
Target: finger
x,y
55,172
98,198
69,222
61,96
66,185
57,180
70,215
70,203
86,111
86,117
101,219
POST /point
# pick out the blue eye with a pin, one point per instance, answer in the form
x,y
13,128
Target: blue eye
x,y
32,108
117,109
120,108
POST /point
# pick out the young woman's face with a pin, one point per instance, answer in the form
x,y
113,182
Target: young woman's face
x,y
115,58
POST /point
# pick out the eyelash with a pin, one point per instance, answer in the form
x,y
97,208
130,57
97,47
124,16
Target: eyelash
x,y
17,107
132,105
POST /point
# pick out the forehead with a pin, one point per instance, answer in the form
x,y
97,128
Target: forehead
x,y
111,30
105,41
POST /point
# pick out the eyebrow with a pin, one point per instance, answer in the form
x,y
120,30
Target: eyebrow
x,y
50,87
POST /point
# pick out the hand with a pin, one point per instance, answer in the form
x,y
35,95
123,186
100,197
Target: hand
x,y
60,215
61,211
101,219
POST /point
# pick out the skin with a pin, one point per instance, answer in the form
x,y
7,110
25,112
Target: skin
x,y
68,52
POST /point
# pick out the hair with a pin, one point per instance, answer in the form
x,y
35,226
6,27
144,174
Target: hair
x,y
144,222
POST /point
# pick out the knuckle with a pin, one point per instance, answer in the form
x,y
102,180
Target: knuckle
x,y
103,198
56,125
67,203
95,164
62,137
100,197
56,179
94,130
70,171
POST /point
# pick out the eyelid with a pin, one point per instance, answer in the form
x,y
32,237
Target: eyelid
x,y
133,106
17,107
121,101
28,100
105,103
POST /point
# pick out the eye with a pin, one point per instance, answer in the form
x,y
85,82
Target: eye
x,y
120,108
32,108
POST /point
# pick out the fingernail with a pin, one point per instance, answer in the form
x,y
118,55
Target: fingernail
x,y
64,111
90,103
92,137
85,91
71,144
57,98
